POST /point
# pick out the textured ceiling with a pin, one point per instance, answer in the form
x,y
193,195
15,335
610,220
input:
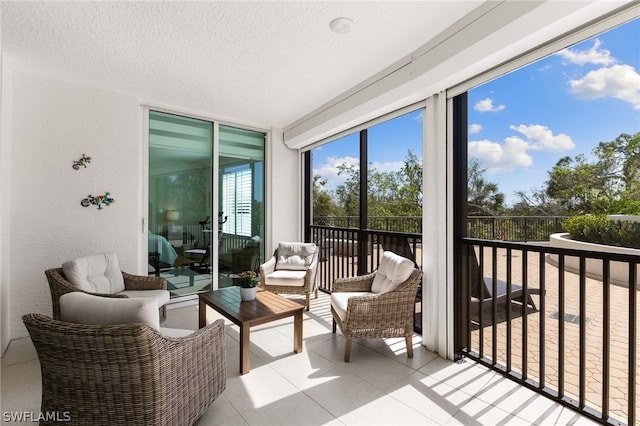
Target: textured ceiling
x,y
277,63
264,63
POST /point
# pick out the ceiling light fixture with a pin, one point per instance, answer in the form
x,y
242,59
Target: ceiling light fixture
x,y
341,25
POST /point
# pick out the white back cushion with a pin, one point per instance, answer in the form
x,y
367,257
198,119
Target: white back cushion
x,y
392,271
98,273
295,256
82,308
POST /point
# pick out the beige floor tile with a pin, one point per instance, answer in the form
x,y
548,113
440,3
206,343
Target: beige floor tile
x,y
379,386
343,394
438,402
21,387
384,410
19,350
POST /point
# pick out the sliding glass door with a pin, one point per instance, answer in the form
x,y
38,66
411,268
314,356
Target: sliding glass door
x,y
182,226
240,202
180,202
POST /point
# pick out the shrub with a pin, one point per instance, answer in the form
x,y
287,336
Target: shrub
x,y
600,230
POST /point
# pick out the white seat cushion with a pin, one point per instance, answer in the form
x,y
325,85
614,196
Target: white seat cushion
x,y
98,273
339,301
82,308
286,278
392,271
160,296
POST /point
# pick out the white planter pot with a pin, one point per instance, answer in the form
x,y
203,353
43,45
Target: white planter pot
x,y
619,271
248,294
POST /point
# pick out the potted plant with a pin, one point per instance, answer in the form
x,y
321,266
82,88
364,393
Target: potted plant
x,y
248,285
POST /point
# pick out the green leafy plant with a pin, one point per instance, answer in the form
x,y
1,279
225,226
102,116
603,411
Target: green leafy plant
x,y
600,230
247,279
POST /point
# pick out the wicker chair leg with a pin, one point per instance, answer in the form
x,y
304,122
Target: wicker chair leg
x,y
316,293
308,300
409,342
347,350
334,326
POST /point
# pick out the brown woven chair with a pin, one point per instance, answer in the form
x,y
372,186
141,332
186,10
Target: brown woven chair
x,y
279,276
59,285
374,314
126,374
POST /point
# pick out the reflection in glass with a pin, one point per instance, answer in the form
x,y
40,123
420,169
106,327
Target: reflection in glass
x,y
241,203
180,183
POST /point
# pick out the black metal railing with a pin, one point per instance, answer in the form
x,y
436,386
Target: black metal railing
x,y
347,252
571,336
506,228
514,228
406,224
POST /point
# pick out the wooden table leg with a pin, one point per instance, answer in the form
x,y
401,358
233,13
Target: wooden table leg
x,y
245,345
202,314
297,332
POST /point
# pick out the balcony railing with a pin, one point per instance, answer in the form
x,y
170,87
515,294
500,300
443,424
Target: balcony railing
x,y
405,224
570,336
506,228
514,228
558,330
348,252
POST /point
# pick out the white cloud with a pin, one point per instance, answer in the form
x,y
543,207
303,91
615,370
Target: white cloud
x,y
486,105
593,55
542,138
474,128
619,81
514,152
497,157
329,170
389,166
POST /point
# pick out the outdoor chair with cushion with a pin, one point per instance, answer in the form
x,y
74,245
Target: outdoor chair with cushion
x,y
379,304
108,362
291,270
100,274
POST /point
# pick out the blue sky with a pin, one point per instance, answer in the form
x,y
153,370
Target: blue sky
x,y
522,123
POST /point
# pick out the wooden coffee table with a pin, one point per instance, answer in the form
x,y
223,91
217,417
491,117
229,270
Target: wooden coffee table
x,y
265,308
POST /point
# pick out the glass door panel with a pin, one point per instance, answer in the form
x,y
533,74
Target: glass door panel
x,y
240,203
180,188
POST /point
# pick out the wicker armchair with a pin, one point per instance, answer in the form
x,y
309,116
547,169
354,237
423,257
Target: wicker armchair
x,y
292,270
363,313
59,285
127,374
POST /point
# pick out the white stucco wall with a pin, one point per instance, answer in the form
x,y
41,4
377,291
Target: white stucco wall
x,y
5,190
52,124
284,193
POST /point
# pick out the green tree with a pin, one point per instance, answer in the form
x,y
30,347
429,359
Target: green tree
x,y
393,193
608,184
411,190
483,197
347,194
323,203
537,203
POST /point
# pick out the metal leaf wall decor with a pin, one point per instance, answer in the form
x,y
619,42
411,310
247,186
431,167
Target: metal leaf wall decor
x,y
81,162
98,200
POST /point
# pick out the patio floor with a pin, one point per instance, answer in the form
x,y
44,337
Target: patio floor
x,y
380,386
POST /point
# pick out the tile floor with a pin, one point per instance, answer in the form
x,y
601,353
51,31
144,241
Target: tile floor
x,y
380,386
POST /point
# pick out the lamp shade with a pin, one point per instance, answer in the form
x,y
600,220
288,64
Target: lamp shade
x,y
172,215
